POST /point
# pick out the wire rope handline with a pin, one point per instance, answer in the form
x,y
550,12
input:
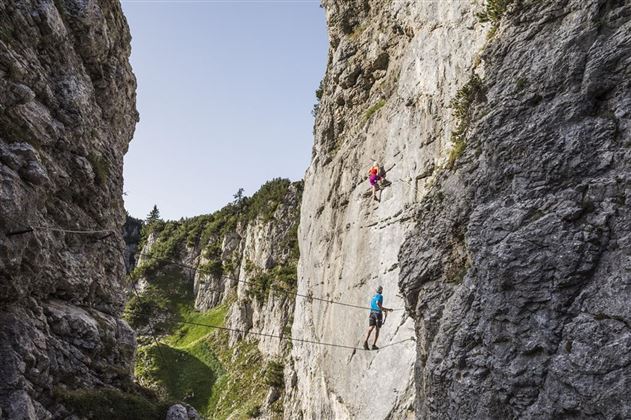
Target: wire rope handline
x,y
288,292
109,232
152,331
283,337
301,340
31,228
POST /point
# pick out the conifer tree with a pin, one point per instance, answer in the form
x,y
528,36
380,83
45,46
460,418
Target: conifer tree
x,y
154,215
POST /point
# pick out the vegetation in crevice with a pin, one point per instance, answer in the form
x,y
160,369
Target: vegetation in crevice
x,y
458,271
373,109
6,33
274,374
521,84
462,111
275,378
280,280
358,30
318,94
494,10
100,167
290,241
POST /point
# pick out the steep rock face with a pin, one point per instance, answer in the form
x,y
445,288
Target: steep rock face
x,y
67,113
266,245
393,69
518,272
131,236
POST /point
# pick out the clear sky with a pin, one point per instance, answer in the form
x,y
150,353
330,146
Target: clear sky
x,y
225,92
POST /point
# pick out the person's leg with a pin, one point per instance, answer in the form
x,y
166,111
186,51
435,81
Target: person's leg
x,y
369,332
376,336
374,184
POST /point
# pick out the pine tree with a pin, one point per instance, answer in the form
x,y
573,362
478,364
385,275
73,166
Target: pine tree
x,y
238,197
154,215
240,201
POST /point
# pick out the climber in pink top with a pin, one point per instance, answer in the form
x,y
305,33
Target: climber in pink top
x,y
376,176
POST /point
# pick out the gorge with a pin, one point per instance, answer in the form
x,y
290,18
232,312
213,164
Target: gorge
x,y
502,239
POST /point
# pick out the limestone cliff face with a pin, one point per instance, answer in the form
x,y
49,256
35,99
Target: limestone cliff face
x,y
250,251
268,245
67,113
393,69
518,270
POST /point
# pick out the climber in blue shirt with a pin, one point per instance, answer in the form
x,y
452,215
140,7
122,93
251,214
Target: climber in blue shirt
x,y
376,318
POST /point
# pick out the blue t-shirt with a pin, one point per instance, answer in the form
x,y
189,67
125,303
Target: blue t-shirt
x,y
373,302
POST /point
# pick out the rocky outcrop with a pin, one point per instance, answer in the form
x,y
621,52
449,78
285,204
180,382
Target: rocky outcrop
x,y
67,113
131,236
269,252
518,270
182,412
393,69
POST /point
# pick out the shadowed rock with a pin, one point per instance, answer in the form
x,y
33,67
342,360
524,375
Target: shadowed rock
x,y
67,113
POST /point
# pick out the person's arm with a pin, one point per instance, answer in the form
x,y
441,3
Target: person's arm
x,y
382,307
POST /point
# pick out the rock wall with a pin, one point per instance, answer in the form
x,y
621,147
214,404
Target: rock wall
x,y
250,250
268,245
67,114
131,236
393,69
518,270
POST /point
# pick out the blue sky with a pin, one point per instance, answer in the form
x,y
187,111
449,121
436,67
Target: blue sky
x,y
225,91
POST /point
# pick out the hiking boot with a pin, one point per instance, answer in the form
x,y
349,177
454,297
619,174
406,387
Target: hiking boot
x,y
366,345
374,347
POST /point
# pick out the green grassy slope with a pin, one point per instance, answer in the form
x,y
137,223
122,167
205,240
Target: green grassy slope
x,y
194,363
